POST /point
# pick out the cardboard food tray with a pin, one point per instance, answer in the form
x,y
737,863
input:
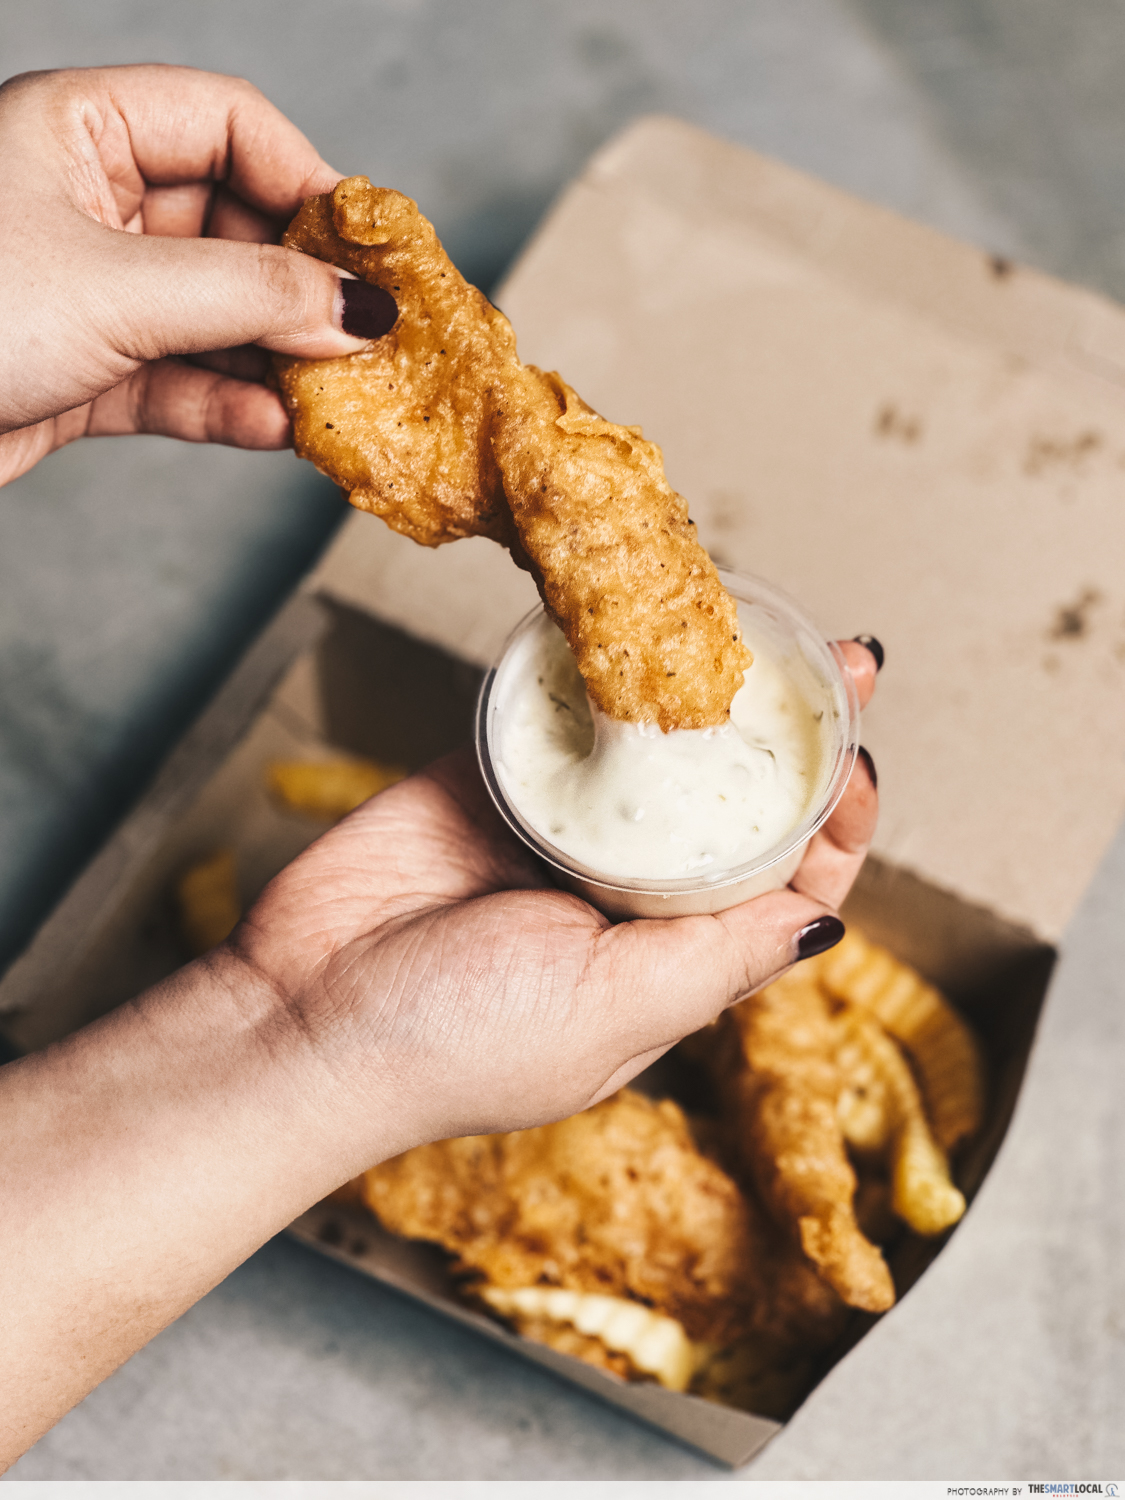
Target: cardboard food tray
x,y
913,438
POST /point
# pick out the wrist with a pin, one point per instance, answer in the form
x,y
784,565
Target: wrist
x,y
307,1062
148,1155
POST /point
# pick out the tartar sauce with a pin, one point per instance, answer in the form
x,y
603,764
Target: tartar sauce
x,y
627,800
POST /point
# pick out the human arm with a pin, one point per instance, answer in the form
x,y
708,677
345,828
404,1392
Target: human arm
x,y
409,977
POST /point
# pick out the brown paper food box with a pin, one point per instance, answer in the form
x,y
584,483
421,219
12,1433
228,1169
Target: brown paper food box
x,y
914,438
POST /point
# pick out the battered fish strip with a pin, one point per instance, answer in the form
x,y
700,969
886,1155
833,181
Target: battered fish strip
x,y
619,1201
786,1101
441,430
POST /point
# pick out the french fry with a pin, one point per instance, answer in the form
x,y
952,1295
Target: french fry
x,y
328,788
208,901
654,1344
564,1338
921,1191
863,1107
941,1046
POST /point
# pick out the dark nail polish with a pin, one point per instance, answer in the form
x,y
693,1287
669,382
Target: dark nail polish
x,y
369,311
818,937
874,647
865,756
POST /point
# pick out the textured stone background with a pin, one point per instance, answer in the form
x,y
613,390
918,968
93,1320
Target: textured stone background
x,y
132,570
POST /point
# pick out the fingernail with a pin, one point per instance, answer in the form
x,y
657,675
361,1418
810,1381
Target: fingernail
x,y
818,937
367,312
863,640
865,755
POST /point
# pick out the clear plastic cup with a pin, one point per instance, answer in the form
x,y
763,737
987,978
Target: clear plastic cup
x,y
774,617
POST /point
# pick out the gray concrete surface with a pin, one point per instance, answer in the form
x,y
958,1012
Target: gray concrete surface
x,y
132,570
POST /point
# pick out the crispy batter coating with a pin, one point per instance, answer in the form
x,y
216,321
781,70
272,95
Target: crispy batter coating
x,y
403,425
625,1202
616,1200
786,1098
655,634
438,428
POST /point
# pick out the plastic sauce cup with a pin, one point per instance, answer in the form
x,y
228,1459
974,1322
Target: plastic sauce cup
x,y
770,615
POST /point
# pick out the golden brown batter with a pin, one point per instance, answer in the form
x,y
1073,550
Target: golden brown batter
x,y
438,428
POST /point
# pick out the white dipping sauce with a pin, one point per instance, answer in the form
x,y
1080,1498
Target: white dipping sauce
x,y
628,800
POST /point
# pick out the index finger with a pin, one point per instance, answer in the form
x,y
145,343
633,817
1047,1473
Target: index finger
x,y
159,124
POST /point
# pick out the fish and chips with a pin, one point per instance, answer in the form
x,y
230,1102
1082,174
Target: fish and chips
x,y
813,1072
717,1254
617,1201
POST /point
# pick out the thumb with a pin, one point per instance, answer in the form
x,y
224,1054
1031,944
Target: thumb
x,y
188,296
664,980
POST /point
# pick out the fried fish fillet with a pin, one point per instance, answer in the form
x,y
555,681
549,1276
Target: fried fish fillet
x,y
403,424
441,430
617,1200
785,1098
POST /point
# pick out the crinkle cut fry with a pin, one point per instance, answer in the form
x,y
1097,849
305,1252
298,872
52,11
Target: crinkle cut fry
x,y
790,1135
864,1108
922,1193
438,428
566,1339
654,1344
944,1050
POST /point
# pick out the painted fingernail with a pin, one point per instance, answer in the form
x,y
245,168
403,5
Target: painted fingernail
x,y
865,756
869,641
368,312
818,937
